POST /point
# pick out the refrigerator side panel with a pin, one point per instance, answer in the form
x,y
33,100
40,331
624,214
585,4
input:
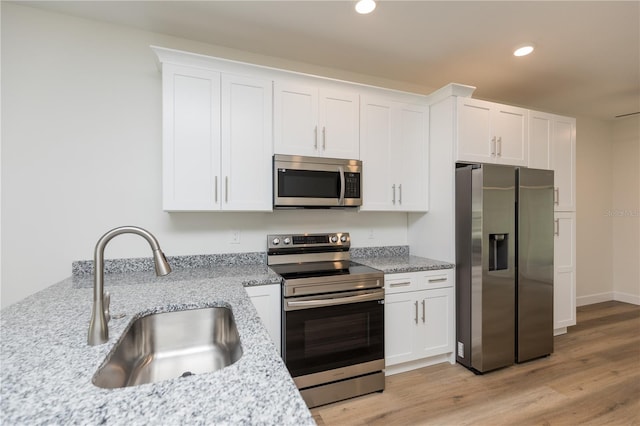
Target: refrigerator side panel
x,y
498,247
535,264
463,265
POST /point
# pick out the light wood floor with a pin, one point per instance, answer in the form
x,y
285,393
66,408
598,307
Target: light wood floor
x,y
592,378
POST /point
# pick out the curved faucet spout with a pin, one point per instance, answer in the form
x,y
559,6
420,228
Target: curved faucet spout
x,y
98,329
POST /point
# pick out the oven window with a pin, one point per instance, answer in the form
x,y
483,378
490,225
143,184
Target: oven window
x,y
325,338
308,184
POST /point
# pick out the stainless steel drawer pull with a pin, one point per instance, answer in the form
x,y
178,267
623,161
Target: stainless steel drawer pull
x,y
394,193
437,280
423,311
556,231
401,284
416,311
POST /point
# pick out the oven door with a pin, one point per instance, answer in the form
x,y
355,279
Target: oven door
x,y
327,332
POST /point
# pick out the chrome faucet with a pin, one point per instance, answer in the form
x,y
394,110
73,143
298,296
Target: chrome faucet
x,y
98,329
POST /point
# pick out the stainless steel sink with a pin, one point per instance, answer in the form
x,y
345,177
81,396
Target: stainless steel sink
x,y
172,344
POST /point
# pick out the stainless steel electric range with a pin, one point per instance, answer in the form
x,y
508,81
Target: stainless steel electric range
x,y
332,317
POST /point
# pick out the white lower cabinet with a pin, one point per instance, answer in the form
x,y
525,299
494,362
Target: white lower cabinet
x,y
564,280
267,301
419,319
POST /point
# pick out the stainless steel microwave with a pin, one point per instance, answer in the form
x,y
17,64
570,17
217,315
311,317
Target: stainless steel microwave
x,y
316,182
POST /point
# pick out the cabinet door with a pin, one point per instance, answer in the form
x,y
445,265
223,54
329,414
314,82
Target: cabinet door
x,y
510,130
540,128
376,128
410,160
338,126
191,138
267,301
295,119
564,285
246,144
563,162
474,133
401,318
436,317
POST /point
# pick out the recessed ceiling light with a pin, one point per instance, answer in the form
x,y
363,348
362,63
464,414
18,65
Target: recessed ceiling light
x,y
365,6
523,50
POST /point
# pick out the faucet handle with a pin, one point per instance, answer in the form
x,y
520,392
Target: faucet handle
x,y
107,301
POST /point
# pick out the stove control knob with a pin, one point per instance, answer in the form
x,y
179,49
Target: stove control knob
x,y
343,238
287,240
275,241
334,238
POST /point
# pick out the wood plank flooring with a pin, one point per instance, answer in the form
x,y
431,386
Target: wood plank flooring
x,y
592,378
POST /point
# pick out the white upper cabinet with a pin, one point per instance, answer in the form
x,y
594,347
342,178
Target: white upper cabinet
x,y
394,154
491,133
316,121
211,121
246,144
552,145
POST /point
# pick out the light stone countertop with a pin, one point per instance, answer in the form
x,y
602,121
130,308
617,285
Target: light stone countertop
x,y
47,366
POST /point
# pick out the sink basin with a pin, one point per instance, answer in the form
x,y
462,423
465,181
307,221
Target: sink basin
x,y
172,344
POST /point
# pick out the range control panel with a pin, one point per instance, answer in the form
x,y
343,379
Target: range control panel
x,y
318,241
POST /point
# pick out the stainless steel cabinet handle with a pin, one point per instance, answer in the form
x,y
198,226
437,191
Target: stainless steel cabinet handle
x,y
394,193
401,284
423,311
437,280
215,185
416,311
324,138
499,146
556,231
556,196
493,146
315,137
400,194
226,189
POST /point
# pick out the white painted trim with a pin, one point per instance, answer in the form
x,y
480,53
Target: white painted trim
x,y
608,296
451,89
594,298
626,297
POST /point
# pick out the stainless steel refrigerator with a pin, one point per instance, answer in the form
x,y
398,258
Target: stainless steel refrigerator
x,y
504,261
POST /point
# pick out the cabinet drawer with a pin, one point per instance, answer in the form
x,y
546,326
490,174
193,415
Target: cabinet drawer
x,y
422,280
400,283
436,279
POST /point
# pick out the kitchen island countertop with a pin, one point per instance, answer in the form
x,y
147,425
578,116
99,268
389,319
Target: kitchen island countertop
x,y
47,365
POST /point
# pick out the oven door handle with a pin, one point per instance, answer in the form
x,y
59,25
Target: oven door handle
x,y
316,303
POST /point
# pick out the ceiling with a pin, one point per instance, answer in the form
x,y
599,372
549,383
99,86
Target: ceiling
x,y
586,62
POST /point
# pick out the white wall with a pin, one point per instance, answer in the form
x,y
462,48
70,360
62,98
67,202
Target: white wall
x,y
594,239
81,135
625,209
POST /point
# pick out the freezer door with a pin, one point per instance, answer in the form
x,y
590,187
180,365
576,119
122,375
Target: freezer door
x,y
493,298
534,308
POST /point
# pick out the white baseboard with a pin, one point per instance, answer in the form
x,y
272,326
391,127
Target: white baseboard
x,y
594,298
626,297
605,297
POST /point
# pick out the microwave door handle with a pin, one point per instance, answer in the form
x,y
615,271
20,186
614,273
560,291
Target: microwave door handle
x,y
341,200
